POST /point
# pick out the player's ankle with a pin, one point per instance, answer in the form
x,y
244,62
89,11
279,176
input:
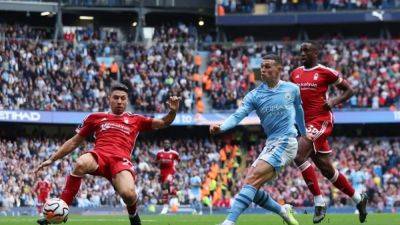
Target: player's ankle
x,y
356,197
319,200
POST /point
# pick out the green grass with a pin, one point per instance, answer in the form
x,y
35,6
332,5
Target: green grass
x,y
332,219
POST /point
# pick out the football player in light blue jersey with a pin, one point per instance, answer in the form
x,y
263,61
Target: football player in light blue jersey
x,y
278,105
195,193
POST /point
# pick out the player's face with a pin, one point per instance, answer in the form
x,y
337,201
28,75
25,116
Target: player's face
x,y
308,53
270,70
118,101
167,144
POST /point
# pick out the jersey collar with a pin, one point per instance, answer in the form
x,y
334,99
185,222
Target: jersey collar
x,y
274,88
309,69
111,113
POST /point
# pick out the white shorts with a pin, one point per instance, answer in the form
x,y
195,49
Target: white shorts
x,y
195,195
279,152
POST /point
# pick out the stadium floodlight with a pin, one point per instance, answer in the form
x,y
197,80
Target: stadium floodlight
x,y
201,22
45,13
134,24
86,17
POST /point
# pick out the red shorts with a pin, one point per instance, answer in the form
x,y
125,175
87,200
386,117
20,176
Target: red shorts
x,y
110,165
42,198
167,176
320,129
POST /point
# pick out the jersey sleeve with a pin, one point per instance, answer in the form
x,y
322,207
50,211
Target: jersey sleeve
x,y
158,156
333,76
177,158
299,112
86,128
244,110
144,123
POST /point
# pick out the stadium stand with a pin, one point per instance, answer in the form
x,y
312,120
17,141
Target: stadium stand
x,y
67,76
371,67
220,163
275,6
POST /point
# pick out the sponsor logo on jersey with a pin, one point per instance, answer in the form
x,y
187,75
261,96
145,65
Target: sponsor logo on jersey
x,y
288,96
307,85
120,127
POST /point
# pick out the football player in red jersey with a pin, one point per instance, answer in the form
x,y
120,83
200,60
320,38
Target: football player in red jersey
x,y
42,190
314,80
167,159
115,134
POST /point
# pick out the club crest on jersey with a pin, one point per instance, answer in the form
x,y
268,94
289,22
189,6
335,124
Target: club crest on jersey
x,y
297,76
316,76
288,96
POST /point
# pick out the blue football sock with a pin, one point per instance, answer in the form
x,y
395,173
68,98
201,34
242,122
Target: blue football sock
x,y
263,199
242,202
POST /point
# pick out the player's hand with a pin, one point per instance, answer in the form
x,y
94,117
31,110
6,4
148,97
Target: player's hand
x,y
215,129
307,137
329,104
173,103
43,165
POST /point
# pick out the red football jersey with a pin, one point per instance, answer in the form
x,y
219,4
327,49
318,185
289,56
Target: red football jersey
x,y
167,160
314,83
43,188
114,134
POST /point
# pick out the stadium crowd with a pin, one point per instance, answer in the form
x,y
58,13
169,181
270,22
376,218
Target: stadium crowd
x,y
371,66
371,164
74,75
273,6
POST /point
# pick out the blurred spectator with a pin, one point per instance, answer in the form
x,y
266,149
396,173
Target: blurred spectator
x,y
247,6
220,164
371,66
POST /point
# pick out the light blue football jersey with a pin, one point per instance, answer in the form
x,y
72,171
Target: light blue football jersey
x,y
278,108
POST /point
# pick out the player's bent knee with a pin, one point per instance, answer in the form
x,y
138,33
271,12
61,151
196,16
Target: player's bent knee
x,y
299,160
327,172
129,197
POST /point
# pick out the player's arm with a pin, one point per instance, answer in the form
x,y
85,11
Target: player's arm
x,y
299,113
157,159
347,92
173,104
64,150
234,119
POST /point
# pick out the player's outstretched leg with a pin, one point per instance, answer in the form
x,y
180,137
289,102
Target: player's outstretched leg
x,y
307,170
84,164
264,200
340,182
124,185
257,175
242,202
165,196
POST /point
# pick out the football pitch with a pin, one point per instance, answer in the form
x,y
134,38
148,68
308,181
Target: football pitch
x,y
332,219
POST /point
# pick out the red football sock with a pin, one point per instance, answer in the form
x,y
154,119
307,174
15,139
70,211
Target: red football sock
x,y
308,172
341,183
40,208
71,188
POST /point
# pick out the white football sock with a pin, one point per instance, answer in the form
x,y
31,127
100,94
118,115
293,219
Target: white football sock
x,y
356,197
319,200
